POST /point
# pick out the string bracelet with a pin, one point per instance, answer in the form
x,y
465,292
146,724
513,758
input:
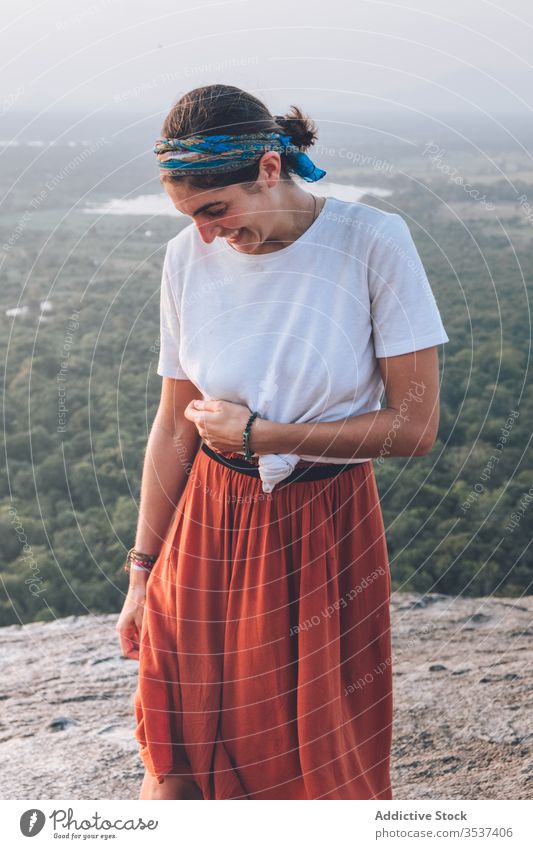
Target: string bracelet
x,y
137,561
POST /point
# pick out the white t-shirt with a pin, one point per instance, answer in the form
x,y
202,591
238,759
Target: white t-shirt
x,y
296,333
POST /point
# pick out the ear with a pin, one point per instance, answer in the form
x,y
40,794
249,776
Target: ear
x,y
269,169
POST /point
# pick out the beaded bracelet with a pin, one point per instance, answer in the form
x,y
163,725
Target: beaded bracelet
x,y
246,436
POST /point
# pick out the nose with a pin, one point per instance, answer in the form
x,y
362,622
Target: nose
x,y
208,232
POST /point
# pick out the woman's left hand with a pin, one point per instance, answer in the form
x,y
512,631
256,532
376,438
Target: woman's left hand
x,y
219,423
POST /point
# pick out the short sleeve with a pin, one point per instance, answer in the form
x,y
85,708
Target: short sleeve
x,y
404,313
170,333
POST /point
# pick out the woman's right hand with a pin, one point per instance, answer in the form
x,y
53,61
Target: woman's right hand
x,y
130,620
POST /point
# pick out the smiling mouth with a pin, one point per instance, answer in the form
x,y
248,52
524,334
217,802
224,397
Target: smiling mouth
x,y
235,235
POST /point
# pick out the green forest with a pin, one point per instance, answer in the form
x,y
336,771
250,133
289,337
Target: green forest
x,y
81,389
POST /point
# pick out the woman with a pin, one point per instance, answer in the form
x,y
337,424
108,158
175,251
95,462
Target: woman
x,y
259,583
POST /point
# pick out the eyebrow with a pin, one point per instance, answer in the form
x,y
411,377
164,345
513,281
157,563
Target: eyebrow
x,y
207,206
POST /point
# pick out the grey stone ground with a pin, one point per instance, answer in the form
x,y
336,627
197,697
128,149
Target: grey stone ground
x,y
463,698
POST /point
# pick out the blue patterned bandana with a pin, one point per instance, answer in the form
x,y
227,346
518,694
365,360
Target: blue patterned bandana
x,y
206,154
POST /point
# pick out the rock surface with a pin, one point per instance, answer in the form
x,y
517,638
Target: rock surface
x,y
463,724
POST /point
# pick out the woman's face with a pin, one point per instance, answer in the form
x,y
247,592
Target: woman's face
x,y
243,218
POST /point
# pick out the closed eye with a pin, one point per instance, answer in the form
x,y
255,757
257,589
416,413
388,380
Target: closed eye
x,y
214,213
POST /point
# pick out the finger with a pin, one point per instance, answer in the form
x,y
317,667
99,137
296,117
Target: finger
x,y
190,414
130,633
197,416
132,653
126,645
131,647
208,405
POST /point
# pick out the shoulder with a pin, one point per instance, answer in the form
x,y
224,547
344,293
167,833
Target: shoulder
x,y
357,219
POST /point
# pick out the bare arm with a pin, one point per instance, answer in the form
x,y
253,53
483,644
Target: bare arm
x,y
407,426
171,448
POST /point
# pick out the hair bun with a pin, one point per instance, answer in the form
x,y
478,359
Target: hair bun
x,y
302,129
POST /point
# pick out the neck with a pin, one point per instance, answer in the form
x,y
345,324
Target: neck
x,y
295,214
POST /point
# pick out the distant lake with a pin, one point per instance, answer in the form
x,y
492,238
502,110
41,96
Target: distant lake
x,y
160,204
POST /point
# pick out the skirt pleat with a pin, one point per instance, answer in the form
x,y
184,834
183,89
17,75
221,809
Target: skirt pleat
x,y
265,661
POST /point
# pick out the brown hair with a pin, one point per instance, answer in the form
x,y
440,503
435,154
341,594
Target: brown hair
x,y
230,110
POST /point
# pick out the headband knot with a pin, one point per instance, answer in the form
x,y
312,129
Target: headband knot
x,y
205,154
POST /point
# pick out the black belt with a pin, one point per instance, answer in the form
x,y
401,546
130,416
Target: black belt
x,y
307,473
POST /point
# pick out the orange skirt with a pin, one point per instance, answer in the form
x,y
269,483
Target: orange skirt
x,y
265,658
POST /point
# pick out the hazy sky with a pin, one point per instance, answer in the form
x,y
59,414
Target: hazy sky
x,y
338,55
